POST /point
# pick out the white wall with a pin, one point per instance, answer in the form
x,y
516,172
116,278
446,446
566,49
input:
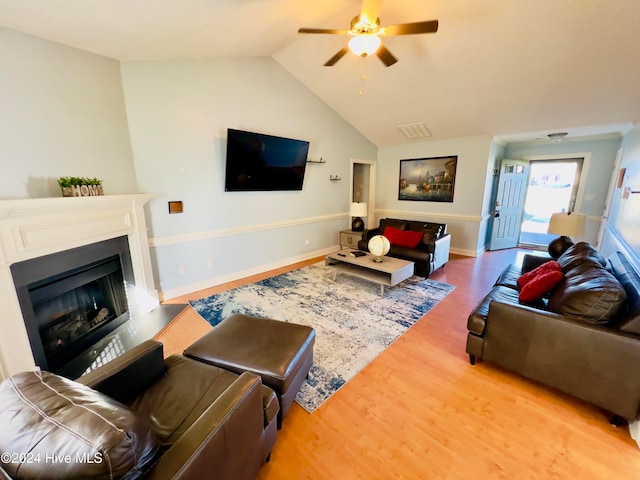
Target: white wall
x,y
62,115
464,216
178,114
623,228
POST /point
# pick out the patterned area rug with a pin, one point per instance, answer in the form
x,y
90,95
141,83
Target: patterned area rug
x,y
353,323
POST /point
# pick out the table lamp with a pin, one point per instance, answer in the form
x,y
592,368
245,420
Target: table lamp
x,y
565,224
358,210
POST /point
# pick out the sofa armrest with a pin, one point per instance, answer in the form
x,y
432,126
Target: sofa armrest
x,y
440,250
370,233
366,236
226,441
588,361
128,375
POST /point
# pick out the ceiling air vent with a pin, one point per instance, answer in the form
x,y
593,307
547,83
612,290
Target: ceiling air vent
x,y
414,130
557,137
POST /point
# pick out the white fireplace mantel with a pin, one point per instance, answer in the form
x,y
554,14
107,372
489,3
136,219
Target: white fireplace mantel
x,y
31,228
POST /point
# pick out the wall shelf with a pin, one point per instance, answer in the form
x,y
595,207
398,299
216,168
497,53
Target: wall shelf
x,y
322,160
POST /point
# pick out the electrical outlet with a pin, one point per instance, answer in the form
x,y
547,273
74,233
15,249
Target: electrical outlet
x,y
307,242
181,270
209,263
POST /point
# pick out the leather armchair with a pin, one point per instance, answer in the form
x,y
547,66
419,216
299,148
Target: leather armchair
x,y
181,418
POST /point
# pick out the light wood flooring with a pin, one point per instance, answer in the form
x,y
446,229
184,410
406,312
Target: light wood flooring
x,y
421,411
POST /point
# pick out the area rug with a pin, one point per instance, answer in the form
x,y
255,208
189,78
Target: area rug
x,y
353,323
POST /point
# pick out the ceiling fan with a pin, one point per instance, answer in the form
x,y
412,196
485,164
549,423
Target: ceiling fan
x,y
366,32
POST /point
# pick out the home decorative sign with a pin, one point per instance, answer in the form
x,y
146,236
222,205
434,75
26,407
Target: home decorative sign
x,y
427,179
80,187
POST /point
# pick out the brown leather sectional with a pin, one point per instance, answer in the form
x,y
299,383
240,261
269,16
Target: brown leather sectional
x,y
583,338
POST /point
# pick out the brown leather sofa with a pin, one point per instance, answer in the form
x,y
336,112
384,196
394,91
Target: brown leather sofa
x,y
583,338
138,416
431,253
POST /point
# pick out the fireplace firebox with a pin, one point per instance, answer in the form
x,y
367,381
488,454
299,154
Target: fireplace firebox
x,y
72,299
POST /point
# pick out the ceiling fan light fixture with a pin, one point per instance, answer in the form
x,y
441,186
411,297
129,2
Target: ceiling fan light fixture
x,y
363,45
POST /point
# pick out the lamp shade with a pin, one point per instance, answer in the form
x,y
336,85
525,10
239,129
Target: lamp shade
x,y
358,209
567,224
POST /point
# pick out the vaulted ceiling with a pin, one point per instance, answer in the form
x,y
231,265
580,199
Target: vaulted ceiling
x,y
515,69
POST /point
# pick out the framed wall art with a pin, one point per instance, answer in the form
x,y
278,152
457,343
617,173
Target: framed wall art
x,y
428,179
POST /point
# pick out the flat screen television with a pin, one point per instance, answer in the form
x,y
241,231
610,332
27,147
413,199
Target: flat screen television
x,y
259,162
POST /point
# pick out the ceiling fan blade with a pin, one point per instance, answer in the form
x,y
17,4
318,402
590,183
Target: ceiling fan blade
x,y
370,9
333,60
429,26
386,56
323,30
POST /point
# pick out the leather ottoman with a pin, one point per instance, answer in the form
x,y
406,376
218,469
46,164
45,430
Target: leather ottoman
x,y
280,352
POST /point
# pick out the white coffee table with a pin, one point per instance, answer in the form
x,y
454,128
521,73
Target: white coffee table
x,y
390,272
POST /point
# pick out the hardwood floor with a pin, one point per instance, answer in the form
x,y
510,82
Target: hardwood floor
x,y
421,411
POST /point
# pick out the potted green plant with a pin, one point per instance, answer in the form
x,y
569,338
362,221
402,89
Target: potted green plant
x,y
80,186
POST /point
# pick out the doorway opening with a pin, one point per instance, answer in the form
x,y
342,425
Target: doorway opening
x,y
552,187
363,186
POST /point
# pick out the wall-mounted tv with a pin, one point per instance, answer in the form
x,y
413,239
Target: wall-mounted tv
x,y
259,162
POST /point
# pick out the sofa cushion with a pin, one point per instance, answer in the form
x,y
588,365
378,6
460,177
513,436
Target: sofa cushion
x,y
509,276
92,435
477,320
630,281
632,324
549,266
540,284
403,238
594,296
582,254
175,402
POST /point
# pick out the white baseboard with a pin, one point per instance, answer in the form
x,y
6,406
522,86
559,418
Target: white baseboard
x,y
467,253
212,282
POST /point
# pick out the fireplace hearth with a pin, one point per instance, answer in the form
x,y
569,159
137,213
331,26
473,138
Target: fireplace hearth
x,y
72,299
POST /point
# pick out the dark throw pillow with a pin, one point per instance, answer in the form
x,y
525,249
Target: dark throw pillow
x,y
541,284
594,296
581,255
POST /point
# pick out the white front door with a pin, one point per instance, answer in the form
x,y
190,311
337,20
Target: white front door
x,y
509,204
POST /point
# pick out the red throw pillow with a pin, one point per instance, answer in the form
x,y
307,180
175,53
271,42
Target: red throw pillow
x,y
392,234
549,266
539,285
403,238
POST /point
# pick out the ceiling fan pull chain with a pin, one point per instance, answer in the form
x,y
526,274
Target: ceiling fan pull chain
x,y
363,77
